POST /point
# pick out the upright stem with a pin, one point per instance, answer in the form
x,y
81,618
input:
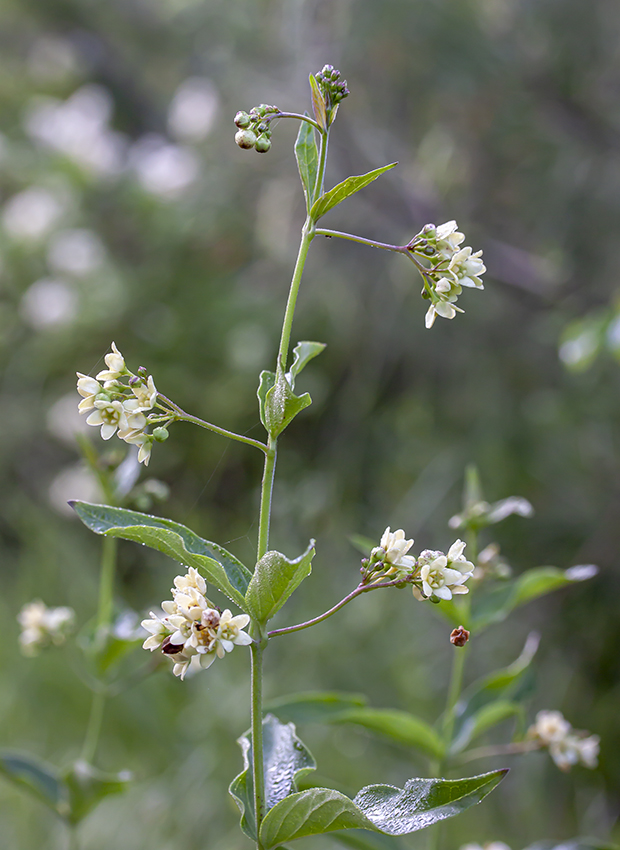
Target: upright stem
x,y
258,767
307,236
93,730
269,473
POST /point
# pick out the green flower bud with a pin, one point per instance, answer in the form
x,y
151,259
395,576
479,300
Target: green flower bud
x,y
263,144
160,434
242,120
246,139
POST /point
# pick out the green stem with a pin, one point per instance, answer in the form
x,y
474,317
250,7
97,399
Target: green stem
x,y
106,581
307,235
299,117
258,768
400,249
454,693
93,730
320,174
74,842
182,416
515,749
266,494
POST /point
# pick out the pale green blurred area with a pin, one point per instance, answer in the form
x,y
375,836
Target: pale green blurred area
x,y
143,223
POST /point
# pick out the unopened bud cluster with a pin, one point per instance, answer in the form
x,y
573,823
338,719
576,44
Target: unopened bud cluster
x,y
192,630
120,401
332,88
254,127
42,626
567,746
449,267
433,574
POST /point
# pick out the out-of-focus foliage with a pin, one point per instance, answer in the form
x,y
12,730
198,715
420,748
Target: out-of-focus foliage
x,y
128,213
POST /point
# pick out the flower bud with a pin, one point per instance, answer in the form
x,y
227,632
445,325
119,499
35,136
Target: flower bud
x,y
242,120
459,637
246,139
263,144
160,434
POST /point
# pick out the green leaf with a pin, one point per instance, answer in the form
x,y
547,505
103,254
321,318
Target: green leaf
x,y
344,190
481,721
40,779
496,604
274,579
360,840
378,808
267,381
315,706
217,565
399,726
303,353
286,760
307,157
501,680
282,405
318,103
88,786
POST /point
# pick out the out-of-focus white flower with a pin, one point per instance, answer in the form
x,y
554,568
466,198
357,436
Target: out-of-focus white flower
x,y
43,626
78,128
191,628
110,415
396,547
490,845
164,169
193,109
49,303
64,421
115,362
567,746
31,214
73,482
76,252
444,575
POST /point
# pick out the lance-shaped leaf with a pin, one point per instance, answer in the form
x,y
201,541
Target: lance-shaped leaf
x,y
216,564
281,405
496,604
303,353
88,786
378,808
400,727
344,190
483,720
307,157
286,760
40,779
274,579
318,103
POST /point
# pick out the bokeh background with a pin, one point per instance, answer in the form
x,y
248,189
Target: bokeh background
x,y
128,213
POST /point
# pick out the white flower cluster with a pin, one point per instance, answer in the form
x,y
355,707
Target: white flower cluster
x,y
433,574
43,626
567,746
452,268
119,407
192,630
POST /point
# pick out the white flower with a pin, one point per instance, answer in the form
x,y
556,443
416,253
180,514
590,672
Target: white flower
x,y
115,363
565,752
88,388
445,575
550,726
192,579
42,626
467,267
110,415
439,308
566,745
448,239
396,547
158,629
230,632
145,396
588,750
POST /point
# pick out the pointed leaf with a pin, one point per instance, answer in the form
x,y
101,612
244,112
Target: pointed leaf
x,y
497,603
286,760
303,353
217,565
318,103
481,721
344,190
274,579
315,706
282,405
399,726
40,779
378,808
307,157
88,786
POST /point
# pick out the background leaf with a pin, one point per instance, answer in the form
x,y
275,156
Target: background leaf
x,y
88,786
344,190
484,719
307,156
218,566
40,779
275,579
380,808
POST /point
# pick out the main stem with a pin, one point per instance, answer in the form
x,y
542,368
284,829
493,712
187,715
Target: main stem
x,y
260,640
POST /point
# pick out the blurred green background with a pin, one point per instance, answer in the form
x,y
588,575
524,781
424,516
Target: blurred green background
x,y
128,214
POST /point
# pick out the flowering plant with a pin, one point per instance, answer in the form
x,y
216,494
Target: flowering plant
x,y
191,631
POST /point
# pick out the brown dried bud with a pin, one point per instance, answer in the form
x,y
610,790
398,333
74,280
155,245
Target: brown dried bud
x,y
169,648
459,637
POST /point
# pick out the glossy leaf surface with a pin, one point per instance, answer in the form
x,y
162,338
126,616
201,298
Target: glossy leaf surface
x,y
274,579
307,156
379,808
216,564
344,190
